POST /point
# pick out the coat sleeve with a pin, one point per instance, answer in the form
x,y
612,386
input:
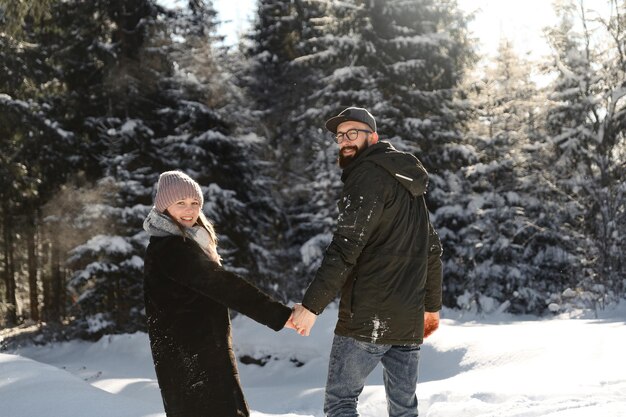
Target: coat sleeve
x,y
434,274
360,210
184,262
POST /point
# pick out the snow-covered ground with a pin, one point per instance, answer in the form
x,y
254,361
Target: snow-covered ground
x,y
502,366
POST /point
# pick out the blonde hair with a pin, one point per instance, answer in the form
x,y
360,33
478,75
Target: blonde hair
x,y
208,226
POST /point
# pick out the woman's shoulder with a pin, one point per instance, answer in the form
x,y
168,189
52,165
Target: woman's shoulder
x,y
160,243
165,239
160,246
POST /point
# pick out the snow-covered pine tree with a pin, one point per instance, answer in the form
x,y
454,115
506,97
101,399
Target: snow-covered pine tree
x,y
279,34
38,155
277,89
508,247
107,280
586,126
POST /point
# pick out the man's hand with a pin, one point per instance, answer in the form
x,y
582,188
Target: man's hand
x,y
303,319
431,323
289,323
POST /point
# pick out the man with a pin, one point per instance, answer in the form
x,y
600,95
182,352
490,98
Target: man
x,y
385,260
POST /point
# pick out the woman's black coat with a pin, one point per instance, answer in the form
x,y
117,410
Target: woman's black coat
x,y
187,299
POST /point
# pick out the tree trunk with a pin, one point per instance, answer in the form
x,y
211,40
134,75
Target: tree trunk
x,y
57,283
31,243
9,270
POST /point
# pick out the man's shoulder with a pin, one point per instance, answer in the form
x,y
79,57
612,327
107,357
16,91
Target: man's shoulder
x,y
368,171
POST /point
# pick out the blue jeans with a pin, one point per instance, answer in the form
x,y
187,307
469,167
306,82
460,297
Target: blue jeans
x,y
351,361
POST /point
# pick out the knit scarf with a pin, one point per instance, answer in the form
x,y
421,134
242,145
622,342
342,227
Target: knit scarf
x,y
160,224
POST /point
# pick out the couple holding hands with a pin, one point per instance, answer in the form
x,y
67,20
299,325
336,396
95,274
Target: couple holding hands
x,y
384,260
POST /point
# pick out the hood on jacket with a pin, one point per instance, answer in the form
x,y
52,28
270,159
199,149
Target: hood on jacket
x,y
402,166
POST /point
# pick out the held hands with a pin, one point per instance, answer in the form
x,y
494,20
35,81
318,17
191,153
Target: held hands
x,y
431,323
302,320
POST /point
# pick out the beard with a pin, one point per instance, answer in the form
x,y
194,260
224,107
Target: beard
x,y
344,160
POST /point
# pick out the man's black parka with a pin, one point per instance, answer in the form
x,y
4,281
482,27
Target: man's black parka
x,y
384,257
187,298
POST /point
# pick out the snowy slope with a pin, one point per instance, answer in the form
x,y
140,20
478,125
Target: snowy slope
x,y
501,366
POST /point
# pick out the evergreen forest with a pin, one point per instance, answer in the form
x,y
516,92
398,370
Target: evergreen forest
x,y
97,98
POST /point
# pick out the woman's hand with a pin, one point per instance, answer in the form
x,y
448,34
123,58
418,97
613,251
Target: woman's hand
x,y
289,323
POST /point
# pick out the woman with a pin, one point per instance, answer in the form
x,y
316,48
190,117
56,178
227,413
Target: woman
x,y
187,297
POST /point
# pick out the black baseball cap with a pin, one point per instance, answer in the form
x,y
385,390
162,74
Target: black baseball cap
x,y
355,114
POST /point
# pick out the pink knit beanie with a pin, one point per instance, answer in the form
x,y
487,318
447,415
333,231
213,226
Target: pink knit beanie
x,y
174,186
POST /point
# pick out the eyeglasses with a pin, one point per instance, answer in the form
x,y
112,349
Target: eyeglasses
x,y
351,135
